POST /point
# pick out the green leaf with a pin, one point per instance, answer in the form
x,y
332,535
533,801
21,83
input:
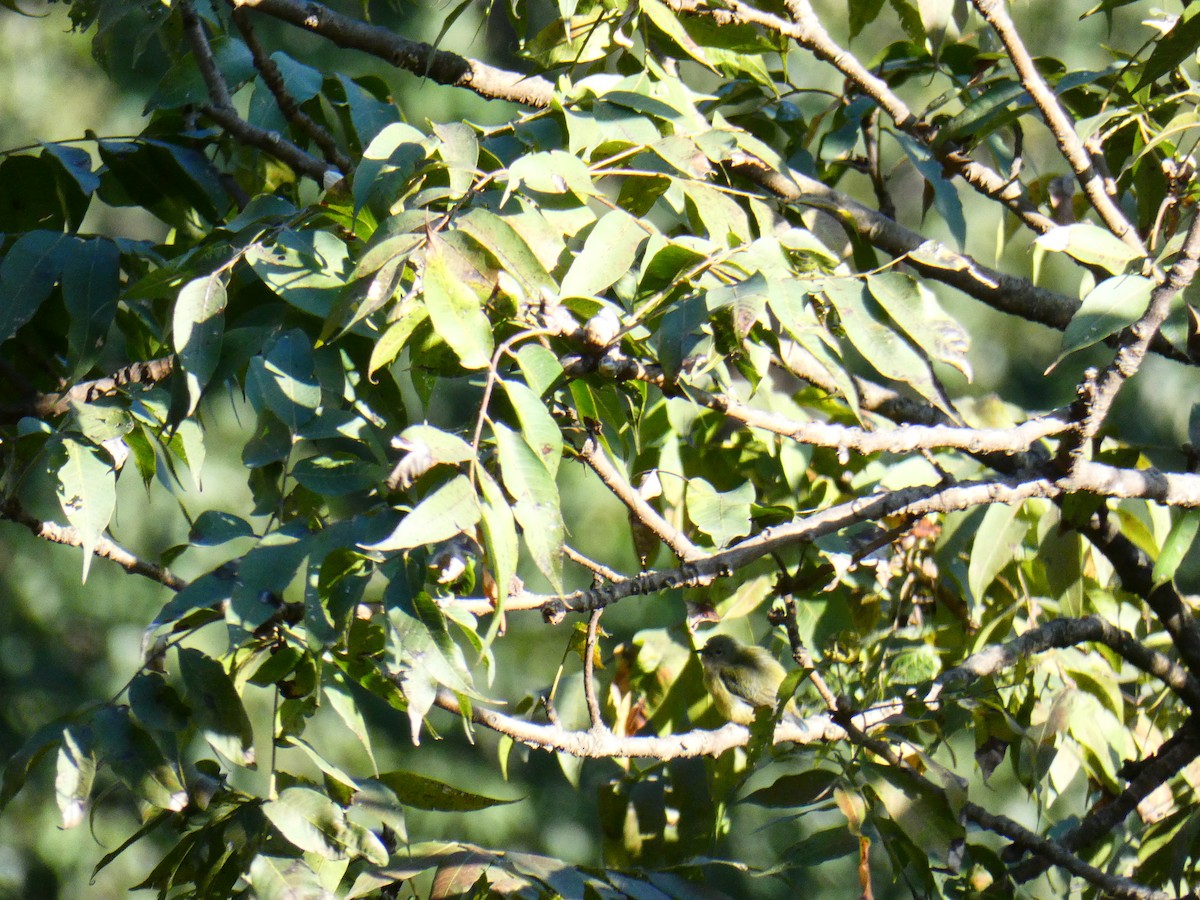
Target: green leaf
x,y
216,707
801,789
499,540
388,162
1176,546
87,493
337,474
497,235
428,793
608,253
538,427
537,507
76,773
666,22
284,878
722,516
996,541
452,509
880,344
137,760
315,824
338,692
306,269
285,380
916,310
19,765
945,193
456,310
1173,48
27,275
1090,244
198,326
554,172
1113,304
90,282
389,345
213,527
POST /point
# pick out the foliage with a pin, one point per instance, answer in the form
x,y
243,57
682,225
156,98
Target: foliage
x,y
716,278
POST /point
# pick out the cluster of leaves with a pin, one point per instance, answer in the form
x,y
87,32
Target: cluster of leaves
x,y
423,346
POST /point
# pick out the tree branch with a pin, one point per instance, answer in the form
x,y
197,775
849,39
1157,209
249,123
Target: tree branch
x,y
105,548
284,100
1169,760
440,66
1059,123
222,112
1059,633
56,404
592,454
1096,395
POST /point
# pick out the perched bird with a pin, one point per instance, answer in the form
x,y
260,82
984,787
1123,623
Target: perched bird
x,y
740,678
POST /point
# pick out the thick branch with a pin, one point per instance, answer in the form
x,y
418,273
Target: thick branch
x,y
1169,760
931,259
286,102
440,66
45,406
1068,633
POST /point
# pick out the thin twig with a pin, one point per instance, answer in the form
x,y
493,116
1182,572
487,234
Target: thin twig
x,y
589,671
283,98
222,112
592,454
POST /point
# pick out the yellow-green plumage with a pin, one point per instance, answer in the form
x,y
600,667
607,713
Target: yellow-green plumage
x,y
740,678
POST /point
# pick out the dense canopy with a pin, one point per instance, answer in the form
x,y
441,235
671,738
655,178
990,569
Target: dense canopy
x,y
444,397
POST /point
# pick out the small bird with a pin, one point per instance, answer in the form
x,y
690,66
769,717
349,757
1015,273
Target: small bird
x,y
740,678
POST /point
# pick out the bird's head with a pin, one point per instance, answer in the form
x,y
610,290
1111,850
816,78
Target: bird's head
x,y
721,648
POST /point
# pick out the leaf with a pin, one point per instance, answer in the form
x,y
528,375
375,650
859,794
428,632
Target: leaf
x,y
499,541
216,707
76,773
1176,546
608,253
1090,244
87,493
315,824
456,310
306,269
428,793
1173,48
198,325
666,22
996,541
722,516
452,509
90,282
498,236
537,507
284,878
945,194
801,789
19,765
134,757
213,528
1113,304
27,275
915,309
337,474
388,347
554,172
538,427
285,380
337,691
863,321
